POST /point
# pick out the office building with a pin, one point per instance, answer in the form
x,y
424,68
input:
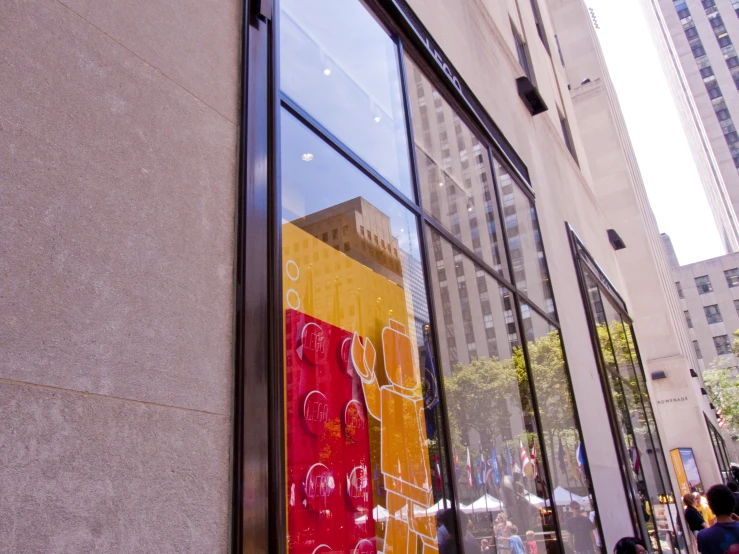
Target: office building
x,y
709,297
200,356
696,41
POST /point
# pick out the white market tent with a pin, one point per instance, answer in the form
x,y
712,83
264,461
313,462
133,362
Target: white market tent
x,y
534,500
379,514
421,512
563,497
486,503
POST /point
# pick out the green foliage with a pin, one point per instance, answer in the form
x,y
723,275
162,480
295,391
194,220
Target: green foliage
x,y
722,386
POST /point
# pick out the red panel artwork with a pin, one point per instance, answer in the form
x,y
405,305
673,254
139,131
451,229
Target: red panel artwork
x,y
328,466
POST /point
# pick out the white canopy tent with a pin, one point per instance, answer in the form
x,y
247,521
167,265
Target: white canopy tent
x,y
379,514
563,497
534,500
485,503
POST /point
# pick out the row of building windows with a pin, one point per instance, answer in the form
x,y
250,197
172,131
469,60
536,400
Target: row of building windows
x,y
713,314
721,343
704,286
704,65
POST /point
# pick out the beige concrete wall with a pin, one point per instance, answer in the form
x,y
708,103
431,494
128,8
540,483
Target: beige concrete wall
x,y
118,143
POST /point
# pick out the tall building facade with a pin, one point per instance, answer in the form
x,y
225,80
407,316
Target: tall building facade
x,y
316,276
709,296
695,39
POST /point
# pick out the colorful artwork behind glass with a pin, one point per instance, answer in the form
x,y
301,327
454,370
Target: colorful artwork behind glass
x,y
359,477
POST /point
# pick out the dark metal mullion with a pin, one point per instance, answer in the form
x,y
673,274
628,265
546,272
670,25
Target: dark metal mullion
x,y
444,232
445,430
568,376
527,360
578,423
652,433
347,153
602,374
539,311
278,454
252,478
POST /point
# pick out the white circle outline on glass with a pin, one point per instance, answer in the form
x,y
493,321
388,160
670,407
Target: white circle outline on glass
x,y
287,298
287,270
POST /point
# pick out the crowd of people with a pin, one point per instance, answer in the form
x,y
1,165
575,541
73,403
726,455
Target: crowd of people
x,y
506,538
713,519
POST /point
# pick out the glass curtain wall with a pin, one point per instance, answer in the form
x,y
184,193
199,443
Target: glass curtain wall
x,y
719,450
642,457
419,417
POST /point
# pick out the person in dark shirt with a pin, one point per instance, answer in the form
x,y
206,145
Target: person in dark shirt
x,y
692,516
733,487
723,536
581,530
630,545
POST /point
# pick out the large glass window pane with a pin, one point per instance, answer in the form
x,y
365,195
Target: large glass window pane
x,y
365,466
570,473
454,171
341,67
524,241
495,440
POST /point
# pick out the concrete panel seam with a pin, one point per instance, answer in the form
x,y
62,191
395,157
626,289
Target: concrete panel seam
x,y
108,397
147,63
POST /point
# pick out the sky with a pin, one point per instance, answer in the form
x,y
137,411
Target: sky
x,y
670,176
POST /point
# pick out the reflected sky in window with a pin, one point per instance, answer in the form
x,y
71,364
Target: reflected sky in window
x,y
341,67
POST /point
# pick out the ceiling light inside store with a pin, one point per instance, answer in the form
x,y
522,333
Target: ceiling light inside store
x,y
327,72
441,183
307,157
377,119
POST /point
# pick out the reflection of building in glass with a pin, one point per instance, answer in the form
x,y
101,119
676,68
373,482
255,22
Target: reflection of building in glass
x,y
415,292
361,231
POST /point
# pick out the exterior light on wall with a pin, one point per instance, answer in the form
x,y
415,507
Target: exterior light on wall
x,y
307,157
703,392
693,373
658,375
615,240
530,96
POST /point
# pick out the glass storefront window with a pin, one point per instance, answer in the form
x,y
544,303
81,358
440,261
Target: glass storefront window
x,y
563,441
494,437
340,66
530,272
364,442
454,171
651,496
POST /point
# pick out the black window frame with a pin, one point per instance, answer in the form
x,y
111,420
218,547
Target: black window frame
x,y
258,506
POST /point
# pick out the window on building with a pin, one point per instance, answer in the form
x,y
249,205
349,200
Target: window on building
x,y
713,315
522,51
703,284
679,289
688,320
567,135
539,24
736,306
732,277
697,347
722,344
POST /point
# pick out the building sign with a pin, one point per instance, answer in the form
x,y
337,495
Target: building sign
x,y
686,470
672,400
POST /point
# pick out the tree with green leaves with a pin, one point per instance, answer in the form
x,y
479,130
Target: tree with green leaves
x,y
722,386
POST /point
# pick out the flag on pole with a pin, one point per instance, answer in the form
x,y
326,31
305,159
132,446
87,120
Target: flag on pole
x,y
533,461
494,463
437,471
635,458
481,469
526,467
469,469
561,457
509,465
